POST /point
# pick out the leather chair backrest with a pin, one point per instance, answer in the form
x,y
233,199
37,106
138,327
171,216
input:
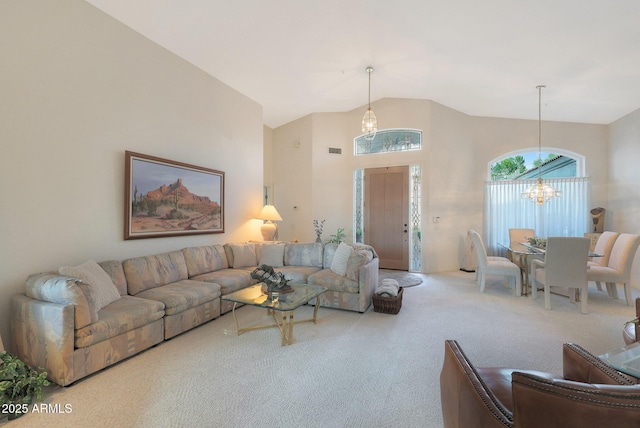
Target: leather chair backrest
x,y
553,402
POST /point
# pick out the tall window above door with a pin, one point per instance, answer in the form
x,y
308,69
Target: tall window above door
x,y
388,140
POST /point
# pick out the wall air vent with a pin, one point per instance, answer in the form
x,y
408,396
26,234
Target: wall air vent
x,y
335,150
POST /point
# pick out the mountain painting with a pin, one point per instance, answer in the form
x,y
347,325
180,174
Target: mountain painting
x,y
166,198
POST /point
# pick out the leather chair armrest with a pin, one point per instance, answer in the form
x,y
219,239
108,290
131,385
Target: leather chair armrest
x,y
581,366
466,399
551,402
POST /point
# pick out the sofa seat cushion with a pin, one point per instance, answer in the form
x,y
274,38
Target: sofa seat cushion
x,y
297,273
123,315
182,295
333,281
229,280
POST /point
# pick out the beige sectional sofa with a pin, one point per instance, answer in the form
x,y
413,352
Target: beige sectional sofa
x,y
77,321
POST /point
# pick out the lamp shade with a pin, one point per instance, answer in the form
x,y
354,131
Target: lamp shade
x,y
269,212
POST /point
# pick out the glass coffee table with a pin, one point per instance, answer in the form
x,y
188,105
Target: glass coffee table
x,y
284,304
625,359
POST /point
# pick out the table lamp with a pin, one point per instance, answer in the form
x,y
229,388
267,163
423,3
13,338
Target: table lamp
x,y
269,229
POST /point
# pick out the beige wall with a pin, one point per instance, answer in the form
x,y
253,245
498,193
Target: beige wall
x,y
623,209
78,89
457,149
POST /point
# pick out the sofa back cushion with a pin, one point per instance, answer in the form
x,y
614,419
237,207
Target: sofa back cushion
x,y
329,252
241,255
63,290
205,259
359,257
270,254
115,271
144,273
299,254
96,284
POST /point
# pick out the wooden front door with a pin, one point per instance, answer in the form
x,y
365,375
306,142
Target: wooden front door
x,y
386,215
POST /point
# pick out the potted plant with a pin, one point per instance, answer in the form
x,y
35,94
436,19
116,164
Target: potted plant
x,y
338,237
20,385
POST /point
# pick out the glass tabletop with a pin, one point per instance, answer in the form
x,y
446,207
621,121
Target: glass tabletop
x,y
301,294
526,248
625,359
522,248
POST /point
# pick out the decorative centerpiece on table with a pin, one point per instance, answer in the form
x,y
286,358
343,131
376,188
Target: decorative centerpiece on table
x,y
537,242
272,281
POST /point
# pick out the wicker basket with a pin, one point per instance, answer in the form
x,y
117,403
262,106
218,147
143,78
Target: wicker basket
x,y
388,305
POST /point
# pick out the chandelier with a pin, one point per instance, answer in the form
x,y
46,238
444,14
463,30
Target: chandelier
x,y
540,192
369,120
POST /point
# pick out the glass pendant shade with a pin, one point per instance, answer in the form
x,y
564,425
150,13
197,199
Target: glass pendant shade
x,y
369,124
369,120
541,193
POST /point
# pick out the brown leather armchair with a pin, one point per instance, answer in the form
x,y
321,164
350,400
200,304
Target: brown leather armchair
x,y
589,394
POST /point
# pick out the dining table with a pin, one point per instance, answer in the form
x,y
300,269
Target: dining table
x,y
522,252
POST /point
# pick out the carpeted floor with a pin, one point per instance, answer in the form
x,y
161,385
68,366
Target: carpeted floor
x,y
348,370
405,279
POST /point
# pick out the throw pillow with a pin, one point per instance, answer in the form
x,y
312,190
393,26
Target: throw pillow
x,y
244,255
358,259
272,255
341,258
96,283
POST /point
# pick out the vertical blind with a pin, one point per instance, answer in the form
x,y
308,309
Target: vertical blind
x,y
566,215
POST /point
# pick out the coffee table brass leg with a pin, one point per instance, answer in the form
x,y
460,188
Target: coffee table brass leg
x,y
283,330
290,327
315,311
233,311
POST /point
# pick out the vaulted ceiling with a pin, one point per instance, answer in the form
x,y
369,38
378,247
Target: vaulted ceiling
x,y
296,57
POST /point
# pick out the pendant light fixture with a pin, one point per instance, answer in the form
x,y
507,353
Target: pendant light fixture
x,y
540,193
369,120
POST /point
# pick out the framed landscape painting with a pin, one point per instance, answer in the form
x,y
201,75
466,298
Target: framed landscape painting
x,y
168,198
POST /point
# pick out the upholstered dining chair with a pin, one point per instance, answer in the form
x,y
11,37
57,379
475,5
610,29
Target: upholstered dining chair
x,y
493,265
517,236
618,269
603,246
564,265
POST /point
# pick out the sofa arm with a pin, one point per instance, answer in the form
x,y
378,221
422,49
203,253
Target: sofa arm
x,y
44,336
553,403
581,366
367,282
466,399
